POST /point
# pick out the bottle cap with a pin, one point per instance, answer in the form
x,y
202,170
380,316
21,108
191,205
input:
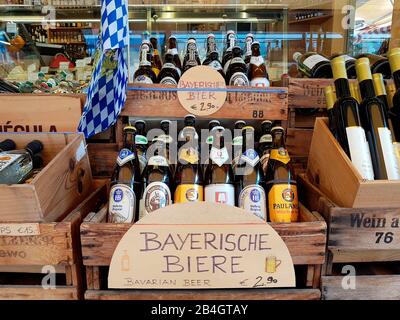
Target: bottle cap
x,y
249,35
394,59
330,97
339,68
140,122
296,56
266,121
250,128
211,35
363,69
37,161
230,32
277,128
7,145
379,84
34,147
130,129
214,122
240,122
172,37
165,122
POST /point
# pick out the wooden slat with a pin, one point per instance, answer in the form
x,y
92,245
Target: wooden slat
x,y
250,294
370,255
298,142
37,293
307,93
102,157
239,105
367,288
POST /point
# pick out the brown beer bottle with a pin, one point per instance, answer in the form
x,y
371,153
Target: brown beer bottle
x,y
283,203
170,73
265,143
141,142
230,42
236,73
191,57
212,58
211,47
173,47
145,73
156,61
257,70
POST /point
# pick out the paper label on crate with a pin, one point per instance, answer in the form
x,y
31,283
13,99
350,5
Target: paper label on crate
x,y
209,91
253,199
391,164
359,152
219,156
124,156
313,60
6,159
19,229
122,205
190,246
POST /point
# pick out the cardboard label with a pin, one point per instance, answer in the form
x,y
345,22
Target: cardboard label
x,y
200,101
201,246
19,229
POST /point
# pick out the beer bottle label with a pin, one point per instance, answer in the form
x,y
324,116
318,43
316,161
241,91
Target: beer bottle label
x,y
124,156
169,66
210,140
219,156
392,168
122,205
251,157
252,198
168,80
239,79
6,159
220,193
142,140
283,203
143,79
259,82
237,141
189,155
215,65
226,66
188,193
156,71
159,161
257,61
359,152
280,155
313,60
142,162
156,195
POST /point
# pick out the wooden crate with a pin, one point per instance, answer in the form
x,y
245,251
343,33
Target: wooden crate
x,y
62,184
373,247
54,244
306,241
332,171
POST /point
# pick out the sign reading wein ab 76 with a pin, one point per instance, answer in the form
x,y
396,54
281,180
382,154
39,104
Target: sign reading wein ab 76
x,y
201,246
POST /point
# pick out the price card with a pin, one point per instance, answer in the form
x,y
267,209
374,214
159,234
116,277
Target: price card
x,y
19,229
64,65
209,91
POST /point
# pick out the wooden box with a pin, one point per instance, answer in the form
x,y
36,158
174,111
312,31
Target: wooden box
x,y
367,239
61,185
331,170
306,242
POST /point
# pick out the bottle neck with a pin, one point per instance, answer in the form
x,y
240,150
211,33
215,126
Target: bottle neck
x,y
278,140
342,88
130,141
396,79
367,89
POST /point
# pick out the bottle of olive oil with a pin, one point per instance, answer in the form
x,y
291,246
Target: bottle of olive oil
x,y
283,203
373,119
350,133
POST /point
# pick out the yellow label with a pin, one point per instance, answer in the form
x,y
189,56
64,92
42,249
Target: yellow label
x,y
280,154
188,193
283,203
156,71
189,155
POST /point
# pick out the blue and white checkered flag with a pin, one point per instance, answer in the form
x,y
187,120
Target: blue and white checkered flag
x,y
107,91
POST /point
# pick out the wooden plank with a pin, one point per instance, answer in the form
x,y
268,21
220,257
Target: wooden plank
x,y
29,269
37,293
307,93
250,294
239,105
367,288
103,157
298,142
370,255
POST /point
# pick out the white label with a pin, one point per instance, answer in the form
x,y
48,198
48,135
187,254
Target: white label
x,y
220,193
168,65
313,60
143,79
260,82
359,152
156,195
168,80
239,79
388,151
7,159
173,51
64,65
122,205
237,60
219,156
396,147
257,61
19,229
159,161
251,157
124,156
80,152
88,60
252,198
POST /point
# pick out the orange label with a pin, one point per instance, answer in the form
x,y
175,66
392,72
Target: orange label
x,y
283,203
188,193
280,154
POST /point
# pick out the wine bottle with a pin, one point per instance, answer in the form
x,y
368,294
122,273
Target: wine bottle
x,y
372,114
7,145
350,63
330,102
313,65
378,64
394,58
355,91
350,133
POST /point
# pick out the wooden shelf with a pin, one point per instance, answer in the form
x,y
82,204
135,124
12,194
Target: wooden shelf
x,y
66,43
317,20
68,28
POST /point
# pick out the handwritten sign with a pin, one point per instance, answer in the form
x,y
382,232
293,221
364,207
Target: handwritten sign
x,y
200,101
201,246
365,229
19,229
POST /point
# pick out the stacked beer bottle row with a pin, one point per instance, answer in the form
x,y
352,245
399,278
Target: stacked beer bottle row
x,y
237,69
235,172
364,120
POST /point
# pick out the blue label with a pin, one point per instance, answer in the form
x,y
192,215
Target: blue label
x,y
255,195
118,195
124,153
251,154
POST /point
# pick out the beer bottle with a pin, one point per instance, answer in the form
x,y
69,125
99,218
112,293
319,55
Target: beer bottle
x,y
173,47
211,46
191,57
188,175
169,142
394,58
125,182
247,50
145,74
250,177
219,180
141,142
170,73
156,62
212,58
257,70
237,141
229,44
211,125
283,203
236,73
188,129
265,143
209,142
157,181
